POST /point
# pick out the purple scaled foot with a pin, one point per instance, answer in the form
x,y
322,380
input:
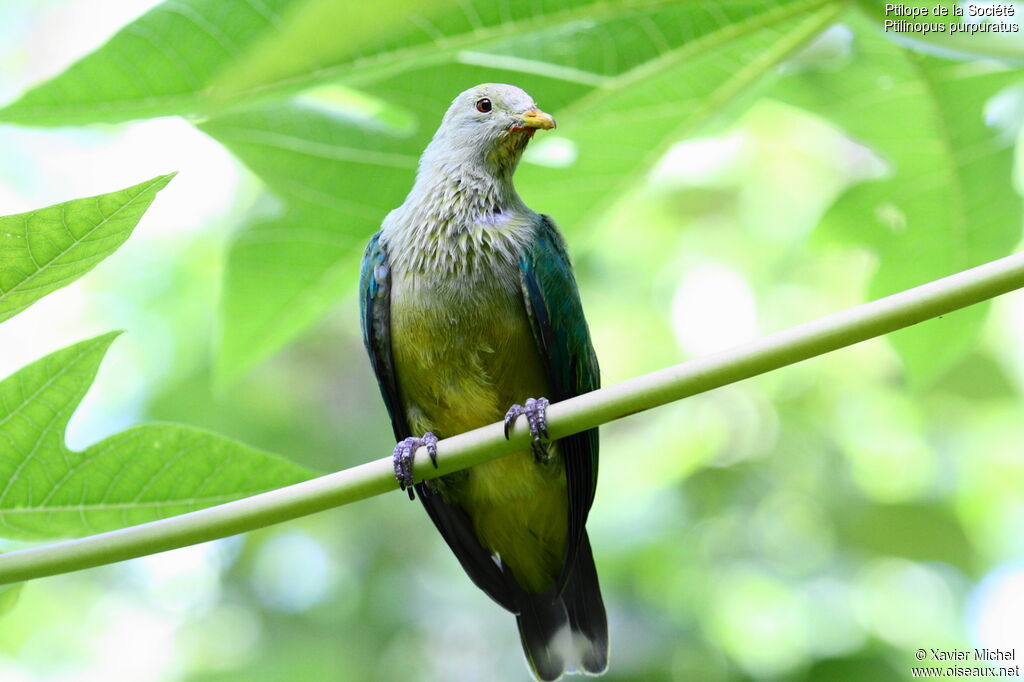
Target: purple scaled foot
x,y
536,416
403,456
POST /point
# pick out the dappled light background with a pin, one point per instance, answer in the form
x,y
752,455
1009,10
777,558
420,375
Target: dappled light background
x,y
821,522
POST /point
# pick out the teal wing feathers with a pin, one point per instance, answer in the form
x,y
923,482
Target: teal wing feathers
x,y
375,317
563,340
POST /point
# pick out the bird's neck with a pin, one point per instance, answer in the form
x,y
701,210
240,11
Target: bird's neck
x,y
459,218
462,195
460,183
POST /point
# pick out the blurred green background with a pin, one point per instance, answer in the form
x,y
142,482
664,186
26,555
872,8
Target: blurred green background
x,y
721,170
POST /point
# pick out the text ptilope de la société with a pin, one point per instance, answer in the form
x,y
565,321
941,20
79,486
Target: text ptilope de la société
x,y
977,18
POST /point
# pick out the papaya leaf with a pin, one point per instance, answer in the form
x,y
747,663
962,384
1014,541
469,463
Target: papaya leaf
x,y
142,474
44,250
240,51
158,65
339,174
621,129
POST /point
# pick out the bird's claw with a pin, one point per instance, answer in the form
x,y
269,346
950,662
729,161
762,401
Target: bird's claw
x,y
536,416
403,457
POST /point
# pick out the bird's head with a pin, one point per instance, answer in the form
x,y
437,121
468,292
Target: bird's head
x,y
490,123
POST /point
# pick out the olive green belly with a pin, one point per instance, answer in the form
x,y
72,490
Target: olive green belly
x,y
461,364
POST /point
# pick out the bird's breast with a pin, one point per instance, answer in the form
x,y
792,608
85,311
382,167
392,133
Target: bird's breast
x,y
463,350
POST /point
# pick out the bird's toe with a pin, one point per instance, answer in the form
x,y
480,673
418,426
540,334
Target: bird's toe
x,y
537,414
404,455
402,458
535,410
430,440
510,417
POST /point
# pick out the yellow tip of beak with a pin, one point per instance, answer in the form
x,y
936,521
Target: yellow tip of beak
x,y
535,118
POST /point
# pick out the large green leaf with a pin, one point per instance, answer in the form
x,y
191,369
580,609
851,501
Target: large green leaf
x,y
139,475
240,50
161,63
948,203
44,250
621,129
339,174
625,99
281,276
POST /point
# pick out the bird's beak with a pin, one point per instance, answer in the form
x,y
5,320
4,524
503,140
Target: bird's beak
x,y
535,118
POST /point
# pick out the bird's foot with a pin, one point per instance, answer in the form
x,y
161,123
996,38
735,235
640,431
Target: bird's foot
x,y
536,416
403,456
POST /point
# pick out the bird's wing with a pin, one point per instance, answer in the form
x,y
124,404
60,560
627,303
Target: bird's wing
x,y
563,340
453,523
375,315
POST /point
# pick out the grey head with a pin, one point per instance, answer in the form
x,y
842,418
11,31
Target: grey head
x,y
488,125
464,203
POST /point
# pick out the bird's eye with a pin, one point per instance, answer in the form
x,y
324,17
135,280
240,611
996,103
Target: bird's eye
x,y
483,105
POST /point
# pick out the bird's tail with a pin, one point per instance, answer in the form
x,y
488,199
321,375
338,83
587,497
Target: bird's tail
x,y
573,626
585,608
540,622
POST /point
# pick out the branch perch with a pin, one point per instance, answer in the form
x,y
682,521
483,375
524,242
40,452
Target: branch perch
x,y
570,416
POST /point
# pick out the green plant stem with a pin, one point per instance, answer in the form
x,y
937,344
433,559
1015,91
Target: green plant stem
x,y
571,416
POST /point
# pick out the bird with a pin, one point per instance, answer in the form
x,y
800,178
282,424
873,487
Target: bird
x,y
471,315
